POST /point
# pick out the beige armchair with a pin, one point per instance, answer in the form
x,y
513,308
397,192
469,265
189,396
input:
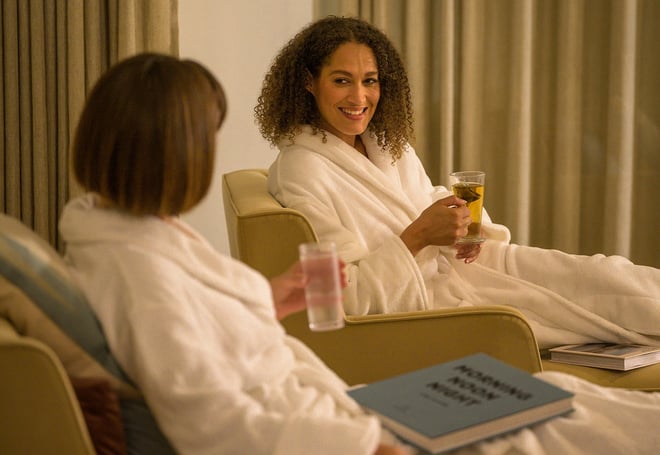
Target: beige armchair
x,y
265,236
40,413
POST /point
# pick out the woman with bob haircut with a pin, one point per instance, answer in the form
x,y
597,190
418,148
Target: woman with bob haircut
x,y
136,150
196,331
337,104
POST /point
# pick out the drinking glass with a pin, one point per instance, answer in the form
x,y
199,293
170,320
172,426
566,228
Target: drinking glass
x,y
469,186
323,291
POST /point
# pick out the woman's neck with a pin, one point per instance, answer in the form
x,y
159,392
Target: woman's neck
x,y
359,146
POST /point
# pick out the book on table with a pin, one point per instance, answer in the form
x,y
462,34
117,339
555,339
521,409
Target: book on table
x,y
460,402
612,356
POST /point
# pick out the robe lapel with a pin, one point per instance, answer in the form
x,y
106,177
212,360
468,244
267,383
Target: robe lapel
x,y
377,172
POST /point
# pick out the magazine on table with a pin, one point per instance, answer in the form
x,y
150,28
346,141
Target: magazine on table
x,y
612,356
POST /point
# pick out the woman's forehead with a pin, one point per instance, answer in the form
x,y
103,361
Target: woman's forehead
x,y
351,58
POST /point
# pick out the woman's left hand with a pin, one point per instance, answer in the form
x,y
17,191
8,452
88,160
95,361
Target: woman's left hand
x,y
469,252
288,289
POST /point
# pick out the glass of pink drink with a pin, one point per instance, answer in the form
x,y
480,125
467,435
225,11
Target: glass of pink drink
x,y
323,291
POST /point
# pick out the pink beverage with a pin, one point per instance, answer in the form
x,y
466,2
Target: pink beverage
x,y
323,291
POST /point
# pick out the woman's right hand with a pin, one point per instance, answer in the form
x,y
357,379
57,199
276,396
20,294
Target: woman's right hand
x,y
442,223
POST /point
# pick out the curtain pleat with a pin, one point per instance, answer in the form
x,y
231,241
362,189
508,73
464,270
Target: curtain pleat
x,y
443,68
470,87
568,129
72,69
26,177
11,142
518,169
36,142
53,51
418,32
646,184
558,101
621,124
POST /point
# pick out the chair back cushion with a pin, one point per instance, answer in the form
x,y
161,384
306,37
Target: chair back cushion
x,y
261,232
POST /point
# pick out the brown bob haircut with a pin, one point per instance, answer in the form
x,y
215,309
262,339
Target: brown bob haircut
x,y
146,137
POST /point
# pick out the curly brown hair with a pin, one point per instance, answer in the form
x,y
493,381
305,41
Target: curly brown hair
x,y
285,105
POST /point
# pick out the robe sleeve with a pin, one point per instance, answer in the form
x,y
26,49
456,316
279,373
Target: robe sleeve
x,y
387,280
348,204
384,279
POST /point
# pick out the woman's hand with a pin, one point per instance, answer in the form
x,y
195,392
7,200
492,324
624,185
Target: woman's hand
x,y
469,252
288,290
442,223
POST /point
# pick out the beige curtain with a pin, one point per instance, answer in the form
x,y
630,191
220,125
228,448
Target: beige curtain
x,y
52,53
557,100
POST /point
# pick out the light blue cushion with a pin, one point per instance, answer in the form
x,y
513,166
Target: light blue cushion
x,y
57,297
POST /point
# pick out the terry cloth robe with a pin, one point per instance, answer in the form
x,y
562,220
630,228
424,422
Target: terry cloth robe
x,y
605,420
363,205
196,331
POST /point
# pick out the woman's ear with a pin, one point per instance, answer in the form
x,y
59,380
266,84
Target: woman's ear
x,y
309,83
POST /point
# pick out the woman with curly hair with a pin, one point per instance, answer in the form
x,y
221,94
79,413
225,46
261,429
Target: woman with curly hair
x,y
336,102
286,102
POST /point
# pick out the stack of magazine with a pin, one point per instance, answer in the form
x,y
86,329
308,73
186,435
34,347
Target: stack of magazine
x,y
612,356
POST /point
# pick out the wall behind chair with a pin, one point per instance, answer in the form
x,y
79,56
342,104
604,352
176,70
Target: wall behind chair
x,y
237,41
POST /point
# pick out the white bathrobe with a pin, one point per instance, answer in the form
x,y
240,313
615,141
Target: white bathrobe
x,y
197,332
364,204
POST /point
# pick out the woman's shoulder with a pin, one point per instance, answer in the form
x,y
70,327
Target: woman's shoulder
x,y
304,148
296,163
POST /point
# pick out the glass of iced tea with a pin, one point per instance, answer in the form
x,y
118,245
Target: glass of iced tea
x,y
469,186
323,291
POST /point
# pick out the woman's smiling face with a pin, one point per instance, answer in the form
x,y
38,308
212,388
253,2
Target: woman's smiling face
x,y
347,91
